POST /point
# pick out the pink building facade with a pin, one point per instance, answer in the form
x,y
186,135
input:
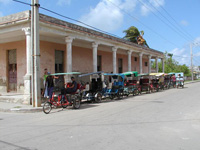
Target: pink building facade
x,y
64,47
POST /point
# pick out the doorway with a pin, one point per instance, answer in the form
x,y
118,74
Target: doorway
x,y
12,70
120,65
59,68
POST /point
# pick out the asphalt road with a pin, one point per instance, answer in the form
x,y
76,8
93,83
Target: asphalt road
x,y
168,120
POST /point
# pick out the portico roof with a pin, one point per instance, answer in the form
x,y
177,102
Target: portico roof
x,y
66,29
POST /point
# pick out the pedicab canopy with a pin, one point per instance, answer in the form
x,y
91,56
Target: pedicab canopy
x,y
65,73
156,74
129,73
92,73
143,74
114,74
171,73
181,74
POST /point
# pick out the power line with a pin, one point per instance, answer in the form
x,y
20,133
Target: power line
x,y
174,20
177,27
22,2
170,25
141,23
181,56
71,19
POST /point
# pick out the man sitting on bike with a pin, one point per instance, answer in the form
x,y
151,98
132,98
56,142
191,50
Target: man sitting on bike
x,y
71,89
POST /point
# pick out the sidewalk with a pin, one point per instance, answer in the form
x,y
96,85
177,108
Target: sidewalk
x,y
13,102
16,107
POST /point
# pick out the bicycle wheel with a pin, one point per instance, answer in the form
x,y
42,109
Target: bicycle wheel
x,y
98,98
76,103
63,104
47,107
111,96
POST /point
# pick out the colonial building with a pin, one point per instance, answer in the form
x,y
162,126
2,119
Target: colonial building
x,y
64,47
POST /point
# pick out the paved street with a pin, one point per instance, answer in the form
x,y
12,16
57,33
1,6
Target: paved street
x,y
168,120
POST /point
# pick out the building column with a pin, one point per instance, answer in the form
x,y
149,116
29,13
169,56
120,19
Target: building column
x,y
94,46
156,60
149,63
163,65
141,71
68,41
114,50
129,60
27,77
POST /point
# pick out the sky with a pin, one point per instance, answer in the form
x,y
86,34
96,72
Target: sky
x,y
168,25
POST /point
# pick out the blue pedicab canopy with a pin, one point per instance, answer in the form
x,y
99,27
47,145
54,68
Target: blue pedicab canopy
x,y
115,74
181,74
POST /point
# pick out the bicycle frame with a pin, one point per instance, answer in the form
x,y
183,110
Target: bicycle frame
x,y
58,103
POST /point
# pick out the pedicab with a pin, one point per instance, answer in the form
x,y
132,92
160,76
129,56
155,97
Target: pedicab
x,y
154,82
158,81
167,81
179,79
145,83
130,85
116,85
94,85
58,100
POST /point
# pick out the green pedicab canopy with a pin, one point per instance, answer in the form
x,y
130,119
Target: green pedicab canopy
x,y
130,73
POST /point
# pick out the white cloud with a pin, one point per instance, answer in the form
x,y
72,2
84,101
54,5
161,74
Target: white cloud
x,y
1,14
197,42
181,55
197,54
5,1
178,52
63,2
184,23
106,16
147,8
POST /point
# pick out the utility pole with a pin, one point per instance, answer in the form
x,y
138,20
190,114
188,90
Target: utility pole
x,y
191,60
37,88
32,54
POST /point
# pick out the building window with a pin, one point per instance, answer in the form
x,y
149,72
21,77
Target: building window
x,y
135,58
99,66
145,64
120,65
59,61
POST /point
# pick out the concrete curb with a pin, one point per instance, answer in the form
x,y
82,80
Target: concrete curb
x,y
192,82
22,110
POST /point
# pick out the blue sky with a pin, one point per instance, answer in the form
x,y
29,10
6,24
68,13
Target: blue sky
x,y
168,25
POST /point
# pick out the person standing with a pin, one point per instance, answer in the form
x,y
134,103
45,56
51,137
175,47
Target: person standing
x,y
174,80
49,84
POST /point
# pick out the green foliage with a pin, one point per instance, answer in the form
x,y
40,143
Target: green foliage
x,y
171,65
131,34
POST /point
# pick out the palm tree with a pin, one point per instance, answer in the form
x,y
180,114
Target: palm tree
x,y
133,35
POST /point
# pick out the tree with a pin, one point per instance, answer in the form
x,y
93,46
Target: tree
x,y
171,65
133,35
